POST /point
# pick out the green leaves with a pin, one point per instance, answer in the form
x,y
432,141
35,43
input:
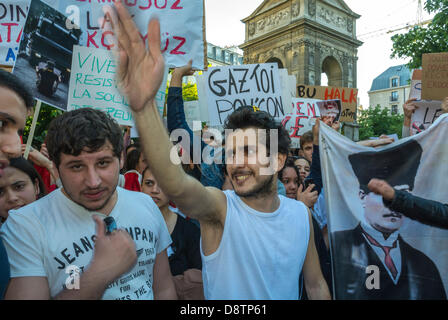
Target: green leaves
x,y
420,40
377,121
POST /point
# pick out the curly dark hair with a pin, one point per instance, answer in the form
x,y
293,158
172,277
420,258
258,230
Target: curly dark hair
x,y
73,131
12,82
246,117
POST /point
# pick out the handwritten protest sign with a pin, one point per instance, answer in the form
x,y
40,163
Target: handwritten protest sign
x,y
12,19
93,85
254,85
305,111
435,76
348,97
179,43
428,110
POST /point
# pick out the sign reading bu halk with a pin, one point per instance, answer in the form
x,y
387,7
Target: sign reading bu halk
x,y
348,97
253,85
179,43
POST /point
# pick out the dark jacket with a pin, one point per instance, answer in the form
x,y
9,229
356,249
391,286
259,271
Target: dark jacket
x,y
419,278
425,211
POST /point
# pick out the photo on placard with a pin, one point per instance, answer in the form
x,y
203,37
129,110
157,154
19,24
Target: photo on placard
x,y
330,111
45,54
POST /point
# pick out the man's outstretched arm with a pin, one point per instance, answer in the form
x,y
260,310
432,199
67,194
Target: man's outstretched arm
x,y
140,74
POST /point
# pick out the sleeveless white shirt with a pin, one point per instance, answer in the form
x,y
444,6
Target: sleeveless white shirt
x,y
261,255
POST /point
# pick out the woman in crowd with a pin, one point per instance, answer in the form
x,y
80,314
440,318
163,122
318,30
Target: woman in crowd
x,y
183,254
20,185
135,164
303,166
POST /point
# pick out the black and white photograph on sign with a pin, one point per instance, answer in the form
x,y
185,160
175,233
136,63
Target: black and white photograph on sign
x,y
330,111
378,252
45,54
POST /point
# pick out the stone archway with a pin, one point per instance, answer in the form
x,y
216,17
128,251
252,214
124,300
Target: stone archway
x,y
276,60
333,70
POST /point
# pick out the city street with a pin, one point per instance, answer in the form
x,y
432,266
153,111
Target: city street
x,y
28,74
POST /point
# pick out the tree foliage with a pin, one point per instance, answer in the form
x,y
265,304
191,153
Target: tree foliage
x,y
374,122
429,39
46,114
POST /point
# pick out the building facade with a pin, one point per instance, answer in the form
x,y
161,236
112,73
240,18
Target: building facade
x,y
308,37
391,89
218,56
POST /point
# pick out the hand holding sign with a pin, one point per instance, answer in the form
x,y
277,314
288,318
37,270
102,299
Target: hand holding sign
x,y
140,71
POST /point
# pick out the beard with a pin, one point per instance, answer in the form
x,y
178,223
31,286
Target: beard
x,y
260,190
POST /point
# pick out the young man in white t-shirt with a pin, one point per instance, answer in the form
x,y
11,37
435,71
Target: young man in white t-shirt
x,y
254,242
52,246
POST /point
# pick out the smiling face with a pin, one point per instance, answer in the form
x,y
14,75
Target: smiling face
x,y
244,163
151,188
90,179
304,168
16,190
290,180
13,114
378,215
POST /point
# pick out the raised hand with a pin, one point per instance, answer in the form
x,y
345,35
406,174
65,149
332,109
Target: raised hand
x,y
180,72
140,69
409,108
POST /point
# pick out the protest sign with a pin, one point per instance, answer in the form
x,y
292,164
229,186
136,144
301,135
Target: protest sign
x,y
435,76
179,43
12,19
428,110
301,120
45,54
330,110
93,85
192,112
413,261
348,97
230,87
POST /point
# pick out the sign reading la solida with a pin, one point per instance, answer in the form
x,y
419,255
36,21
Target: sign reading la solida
x,y
307,37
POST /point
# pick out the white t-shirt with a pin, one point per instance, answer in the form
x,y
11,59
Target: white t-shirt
x,y
261,255
45,237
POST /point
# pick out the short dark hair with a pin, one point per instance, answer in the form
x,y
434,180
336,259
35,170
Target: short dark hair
x,y
246,117
75,130
26,167
307,137
12,82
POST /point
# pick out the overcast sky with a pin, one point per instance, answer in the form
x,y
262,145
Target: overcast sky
x,y
224,28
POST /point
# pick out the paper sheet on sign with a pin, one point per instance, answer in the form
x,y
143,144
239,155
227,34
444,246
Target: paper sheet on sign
x,y
93,85
178,41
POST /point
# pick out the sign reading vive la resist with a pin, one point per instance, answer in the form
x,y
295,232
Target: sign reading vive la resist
x,y
252,85
348,97
179,43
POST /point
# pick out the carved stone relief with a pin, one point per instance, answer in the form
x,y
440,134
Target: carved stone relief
x,y
312,7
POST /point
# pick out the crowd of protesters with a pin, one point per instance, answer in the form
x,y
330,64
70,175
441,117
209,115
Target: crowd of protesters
x,y
219,230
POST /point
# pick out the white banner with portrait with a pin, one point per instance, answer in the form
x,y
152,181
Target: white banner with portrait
x,y
378,253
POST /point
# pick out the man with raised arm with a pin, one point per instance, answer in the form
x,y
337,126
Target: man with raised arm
x,y
254,242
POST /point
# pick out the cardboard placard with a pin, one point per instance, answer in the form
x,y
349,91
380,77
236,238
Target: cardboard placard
x,y
435,76
348,97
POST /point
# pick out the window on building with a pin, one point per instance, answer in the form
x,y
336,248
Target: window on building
x,y
394,96
394,109
218,54
211,51
394,82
